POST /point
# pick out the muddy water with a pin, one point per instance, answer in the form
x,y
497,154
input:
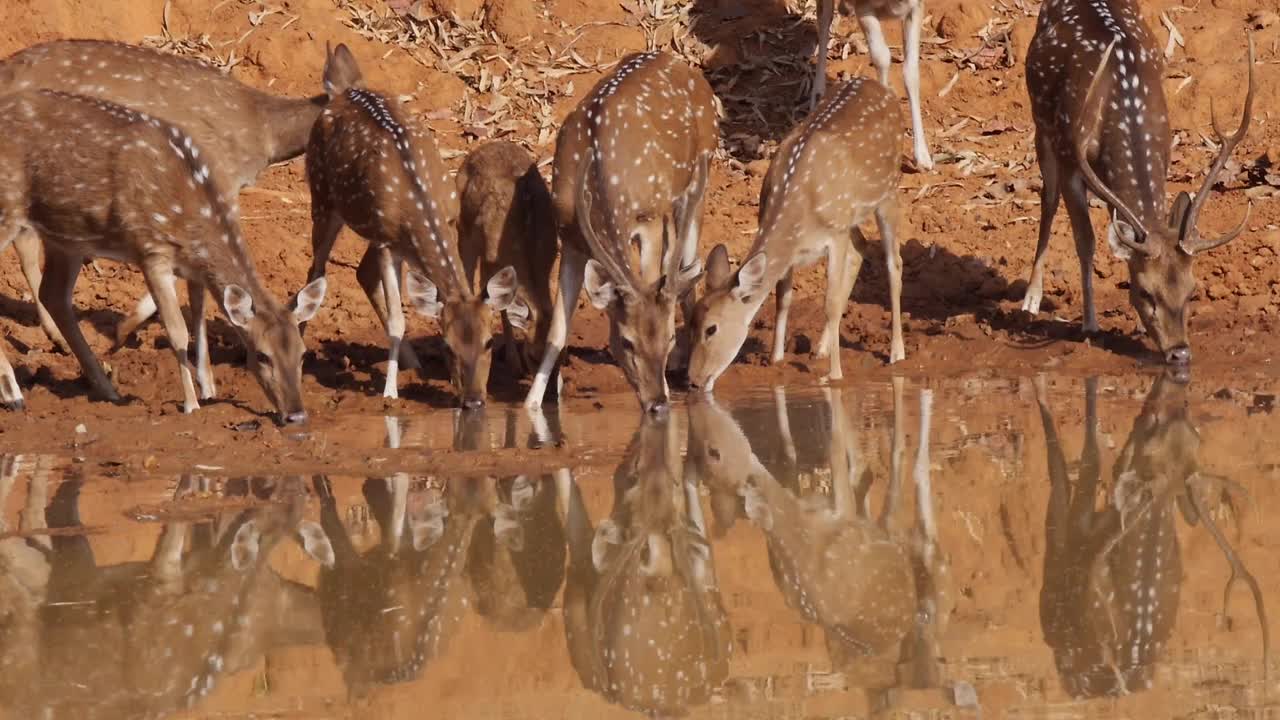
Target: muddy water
x,y
1005,548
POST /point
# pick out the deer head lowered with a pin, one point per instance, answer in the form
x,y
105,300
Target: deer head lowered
x,y
241,130
643,617
631,166
1113,575
1094,74
373,168
140,192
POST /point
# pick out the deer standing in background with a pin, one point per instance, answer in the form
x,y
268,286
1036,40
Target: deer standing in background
x,y
1095,74
371,167
870,13
1113,575
241,130
644,621
829,175
96,179
631,166
507,220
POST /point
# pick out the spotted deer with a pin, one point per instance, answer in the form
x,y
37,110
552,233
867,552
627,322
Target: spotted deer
x,y
95,179
372,168
870,13
506,221
1113,575
240,129
1095,74
830,174
644,621
631,166
147,639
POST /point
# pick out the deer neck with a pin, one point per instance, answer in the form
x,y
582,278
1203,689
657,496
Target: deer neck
x,y
289,121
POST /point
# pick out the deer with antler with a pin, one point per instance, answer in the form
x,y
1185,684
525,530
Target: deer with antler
x,y
240,129
93,179
870,14
631,166
1094,74
830,174
1113,575
372,168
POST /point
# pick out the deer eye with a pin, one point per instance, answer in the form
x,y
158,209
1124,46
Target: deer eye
x,y
628,345
262,359
488,344
714,454
711,330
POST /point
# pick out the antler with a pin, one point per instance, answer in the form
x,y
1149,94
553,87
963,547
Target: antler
x,y
620,272
1190,240
1091,112
1238,572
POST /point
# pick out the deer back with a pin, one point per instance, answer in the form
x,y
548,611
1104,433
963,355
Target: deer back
x,y
640,132
242,129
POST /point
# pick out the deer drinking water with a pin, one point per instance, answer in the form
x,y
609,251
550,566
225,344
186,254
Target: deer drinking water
x,y
829,175
870,13
370,167
507,220
631,165
239,129
96,179
1094,74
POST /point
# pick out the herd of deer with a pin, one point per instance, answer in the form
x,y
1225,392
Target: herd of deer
x,y
117,151
645,624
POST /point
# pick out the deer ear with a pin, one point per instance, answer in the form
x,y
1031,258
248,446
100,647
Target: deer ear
x,y
719,274
422,293
315,543
518,314
238,305
244,547
341,72
1118,232
501,289
755,506
599,288
507,529
309,299
607,534
750,277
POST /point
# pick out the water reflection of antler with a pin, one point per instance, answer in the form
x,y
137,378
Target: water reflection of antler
x,y
1113,575
643,617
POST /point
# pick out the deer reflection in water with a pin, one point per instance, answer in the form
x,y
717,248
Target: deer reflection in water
x,y
1113,574
145,639
644,620
875,593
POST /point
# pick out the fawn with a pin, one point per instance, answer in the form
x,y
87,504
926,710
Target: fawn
x,y
95,179
830,173
1103,127
506,220
239,129
371,168
869,14
631,165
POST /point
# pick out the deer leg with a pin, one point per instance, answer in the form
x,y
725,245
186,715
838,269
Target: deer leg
x,y
911,79
160,279
10,392
395,321
897,449
887,222
876,44
369,275
140,314
782,295
1077,200
572,266
27,245
826,14
204,370
1049,198
61,271
784,424
839,259
325,227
